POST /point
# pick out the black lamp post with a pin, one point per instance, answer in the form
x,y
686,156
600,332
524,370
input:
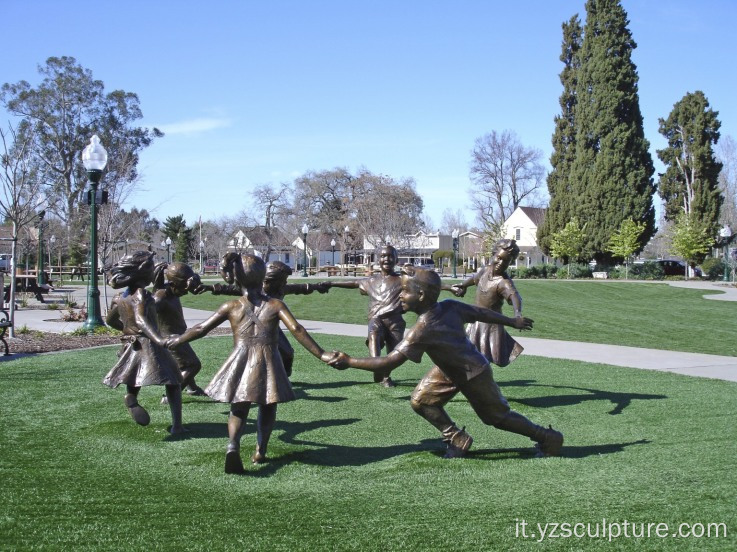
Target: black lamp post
x,y
52,241
94,158
305,228
332,246
168,249
455,251
725,237
40,277
202,249
345,251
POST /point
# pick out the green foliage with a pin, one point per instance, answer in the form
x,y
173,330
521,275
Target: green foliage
x,y
690,183
692,239
176,229
713,268
568,243
77,254
560,209
63,112
626,240
648,270
440,256
611,175
534,272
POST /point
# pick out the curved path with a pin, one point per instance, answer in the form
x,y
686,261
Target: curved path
x,y
691,364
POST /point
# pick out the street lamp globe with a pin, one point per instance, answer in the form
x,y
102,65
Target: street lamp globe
x,y
305,228
94,156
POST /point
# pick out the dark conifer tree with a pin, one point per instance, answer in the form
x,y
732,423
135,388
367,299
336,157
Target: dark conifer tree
x,y
690,183
564,138
611,175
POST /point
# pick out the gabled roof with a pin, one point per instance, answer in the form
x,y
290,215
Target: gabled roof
x,y
535,214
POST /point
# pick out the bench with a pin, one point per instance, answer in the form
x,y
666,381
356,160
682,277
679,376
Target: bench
x,y
331,270
5,323
600,275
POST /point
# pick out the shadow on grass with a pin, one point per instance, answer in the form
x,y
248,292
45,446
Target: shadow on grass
x,y
620,400
566,452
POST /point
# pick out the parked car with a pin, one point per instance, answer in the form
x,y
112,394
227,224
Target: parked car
x,y
676,268
5,262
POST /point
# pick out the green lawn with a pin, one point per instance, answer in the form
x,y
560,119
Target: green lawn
x,y
652,315
353,468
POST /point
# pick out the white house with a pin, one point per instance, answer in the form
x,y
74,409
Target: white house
x,y
522,226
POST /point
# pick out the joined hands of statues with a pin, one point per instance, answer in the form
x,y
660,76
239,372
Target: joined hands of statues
x,y
340,360
458,291
322,287
522,323
172,341
329,357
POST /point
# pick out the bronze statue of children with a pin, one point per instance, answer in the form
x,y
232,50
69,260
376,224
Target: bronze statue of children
x,y
459,367
143,359
494,288
254,371
385,323
172,281
275,285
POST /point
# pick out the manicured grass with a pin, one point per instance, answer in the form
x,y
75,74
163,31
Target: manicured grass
x,y
353,468
655,316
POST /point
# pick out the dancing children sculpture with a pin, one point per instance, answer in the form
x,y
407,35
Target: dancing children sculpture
x,y
254,371
143,359
385,323
172,281
459,367
275,285
494,287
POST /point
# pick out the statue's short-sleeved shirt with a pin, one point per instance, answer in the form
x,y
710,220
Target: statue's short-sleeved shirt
x,y
493,289
439,333
383,292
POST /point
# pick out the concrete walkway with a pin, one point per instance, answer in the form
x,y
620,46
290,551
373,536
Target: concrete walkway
x,y
690,364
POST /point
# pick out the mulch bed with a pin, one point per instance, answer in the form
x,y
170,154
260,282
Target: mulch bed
x,y
46,342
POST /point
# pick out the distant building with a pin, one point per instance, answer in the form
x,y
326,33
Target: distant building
x,y
522,226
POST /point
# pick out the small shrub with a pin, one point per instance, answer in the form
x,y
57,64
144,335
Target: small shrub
x,y
577,271
713,268
52,306
70,315
23,330
100,330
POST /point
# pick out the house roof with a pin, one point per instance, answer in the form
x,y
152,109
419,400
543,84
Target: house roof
x,y
536,214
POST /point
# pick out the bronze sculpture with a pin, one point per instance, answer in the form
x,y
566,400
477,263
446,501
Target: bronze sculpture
x,y
254,371
385,323
172,281
143,358
459,367
275,285
494,288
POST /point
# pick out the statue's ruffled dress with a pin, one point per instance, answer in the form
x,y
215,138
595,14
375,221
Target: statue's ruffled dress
x,y
492,340
254,371
141,362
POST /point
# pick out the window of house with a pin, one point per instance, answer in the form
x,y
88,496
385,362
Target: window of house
x,y
517,233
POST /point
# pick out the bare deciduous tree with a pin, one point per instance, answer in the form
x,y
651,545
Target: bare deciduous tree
x,y
504,173
21,189
727,154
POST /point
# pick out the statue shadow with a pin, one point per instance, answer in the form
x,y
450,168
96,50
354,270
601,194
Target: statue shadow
x,y
619,400
328,455
566,452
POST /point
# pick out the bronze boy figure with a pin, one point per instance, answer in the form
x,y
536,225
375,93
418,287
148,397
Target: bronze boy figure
x,y
385,323
459,367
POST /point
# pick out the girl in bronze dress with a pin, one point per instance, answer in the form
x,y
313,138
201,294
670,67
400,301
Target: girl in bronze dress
x,y
172,281
494,288
254,371
143,359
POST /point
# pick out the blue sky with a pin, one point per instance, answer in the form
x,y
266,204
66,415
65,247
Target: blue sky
x,y
250,93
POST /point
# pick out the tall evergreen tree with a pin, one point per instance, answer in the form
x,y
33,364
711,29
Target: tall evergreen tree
x,y
611,175
564,138
690,183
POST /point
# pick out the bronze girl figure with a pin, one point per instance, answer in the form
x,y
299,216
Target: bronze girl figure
x,y
143,359
254,372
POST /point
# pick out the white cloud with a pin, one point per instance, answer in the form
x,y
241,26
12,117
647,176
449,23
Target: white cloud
x,y
195,126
